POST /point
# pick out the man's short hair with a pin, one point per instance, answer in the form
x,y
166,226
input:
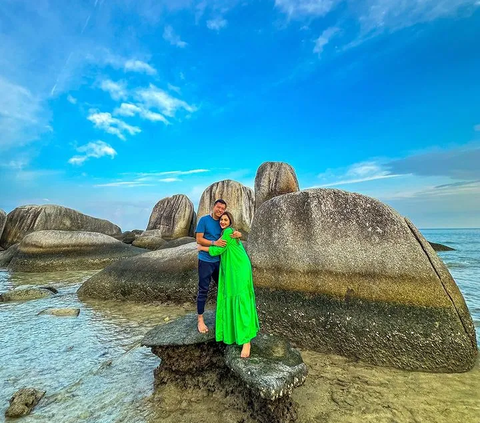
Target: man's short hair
x,y
221,202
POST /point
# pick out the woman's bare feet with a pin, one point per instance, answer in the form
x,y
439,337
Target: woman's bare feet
x,y
245,350
202,327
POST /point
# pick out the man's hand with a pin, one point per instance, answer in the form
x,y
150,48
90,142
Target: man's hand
x,y
236,235
220,243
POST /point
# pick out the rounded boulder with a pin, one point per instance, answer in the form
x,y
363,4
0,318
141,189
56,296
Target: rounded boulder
x,y
343,273
238,197
274,179
27,219
47,251
172,216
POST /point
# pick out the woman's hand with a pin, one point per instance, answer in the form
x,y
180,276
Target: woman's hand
x,y
201,248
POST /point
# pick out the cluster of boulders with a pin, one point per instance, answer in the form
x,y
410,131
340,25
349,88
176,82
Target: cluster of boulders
x,y
334,271
260,385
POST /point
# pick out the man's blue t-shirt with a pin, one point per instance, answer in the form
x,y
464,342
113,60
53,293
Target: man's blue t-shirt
x,y
211,230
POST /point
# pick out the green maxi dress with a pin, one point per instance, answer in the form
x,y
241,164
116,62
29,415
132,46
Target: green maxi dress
x,y
236,317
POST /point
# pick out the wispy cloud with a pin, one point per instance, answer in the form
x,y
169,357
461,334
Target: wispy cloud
x,y
154,97
71,99
128,109
151,178
139,66
22,116
324,39
302,8
216,24
95,150
117,90
477,127
356,173
112,125
124,184
174,39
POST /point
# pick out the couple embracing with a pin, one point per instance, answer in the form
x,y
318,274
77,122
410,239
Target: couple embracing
x,y
223,258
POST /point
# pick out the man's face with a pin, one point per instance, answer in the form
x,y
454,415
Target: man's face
x,y
218,210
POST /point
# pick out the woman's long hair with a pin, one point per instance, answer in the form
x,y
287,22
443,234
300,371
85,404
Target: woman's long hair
x,y
230,217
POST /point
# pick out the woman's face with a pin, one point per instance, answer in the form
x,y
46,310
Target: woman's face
x,y
224,221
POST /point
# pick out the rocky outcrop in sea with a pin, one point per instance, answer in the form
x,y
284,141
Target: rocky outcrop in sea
x,y
48,251
25,219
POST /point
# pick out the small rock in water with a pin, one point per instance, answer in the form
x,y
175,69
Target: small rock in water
x,y
23,401
73,312
25,294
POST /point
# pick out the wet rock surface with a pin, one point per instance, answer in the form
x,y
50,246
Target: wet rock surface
x,y
27,293
440,247
61,312
23,401
260,386
273,369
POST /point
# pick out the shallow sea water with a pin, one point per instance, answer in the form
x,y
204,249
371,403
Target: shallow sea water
x,y
94,369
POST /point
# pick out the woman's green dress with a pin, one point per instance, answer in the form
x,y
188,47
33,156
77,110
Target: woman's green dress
x,y
236,318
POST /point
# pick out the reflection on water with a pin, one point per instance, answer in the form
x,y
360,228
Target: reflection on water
x,y
94,370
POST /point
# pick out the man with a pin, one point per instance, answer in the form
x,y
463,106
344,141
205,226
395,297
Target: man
x,y
208,233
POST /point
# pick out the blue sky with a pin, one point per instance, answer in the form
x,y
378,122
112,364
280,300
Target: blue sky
x,y
108,106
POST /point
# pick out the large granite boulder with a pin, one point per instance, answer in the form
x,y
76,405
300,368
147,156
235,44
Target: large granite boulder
x,y
273,179
342,273
238,197
7,255
167,275
172,216
26,219
3,221
150,240
47,251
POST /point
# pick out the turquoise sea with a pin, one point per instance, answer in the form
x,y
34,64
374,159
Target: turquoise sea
x,y
463,263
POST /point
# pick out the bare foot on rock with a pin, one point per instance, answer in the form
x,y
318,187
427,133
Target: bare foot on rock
x,y
245,350
202,327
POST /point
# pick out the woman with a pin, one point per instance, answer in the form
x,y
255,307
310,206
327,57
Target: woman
x,y
236,318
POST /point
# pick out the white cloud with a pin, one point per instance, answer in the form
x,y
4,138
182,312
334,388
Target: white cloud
x,y
477,127
216,24
154,97
117,90
128,109
174,39
139,66
112,125
95,149
323,40
22,117
71,99
301,8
